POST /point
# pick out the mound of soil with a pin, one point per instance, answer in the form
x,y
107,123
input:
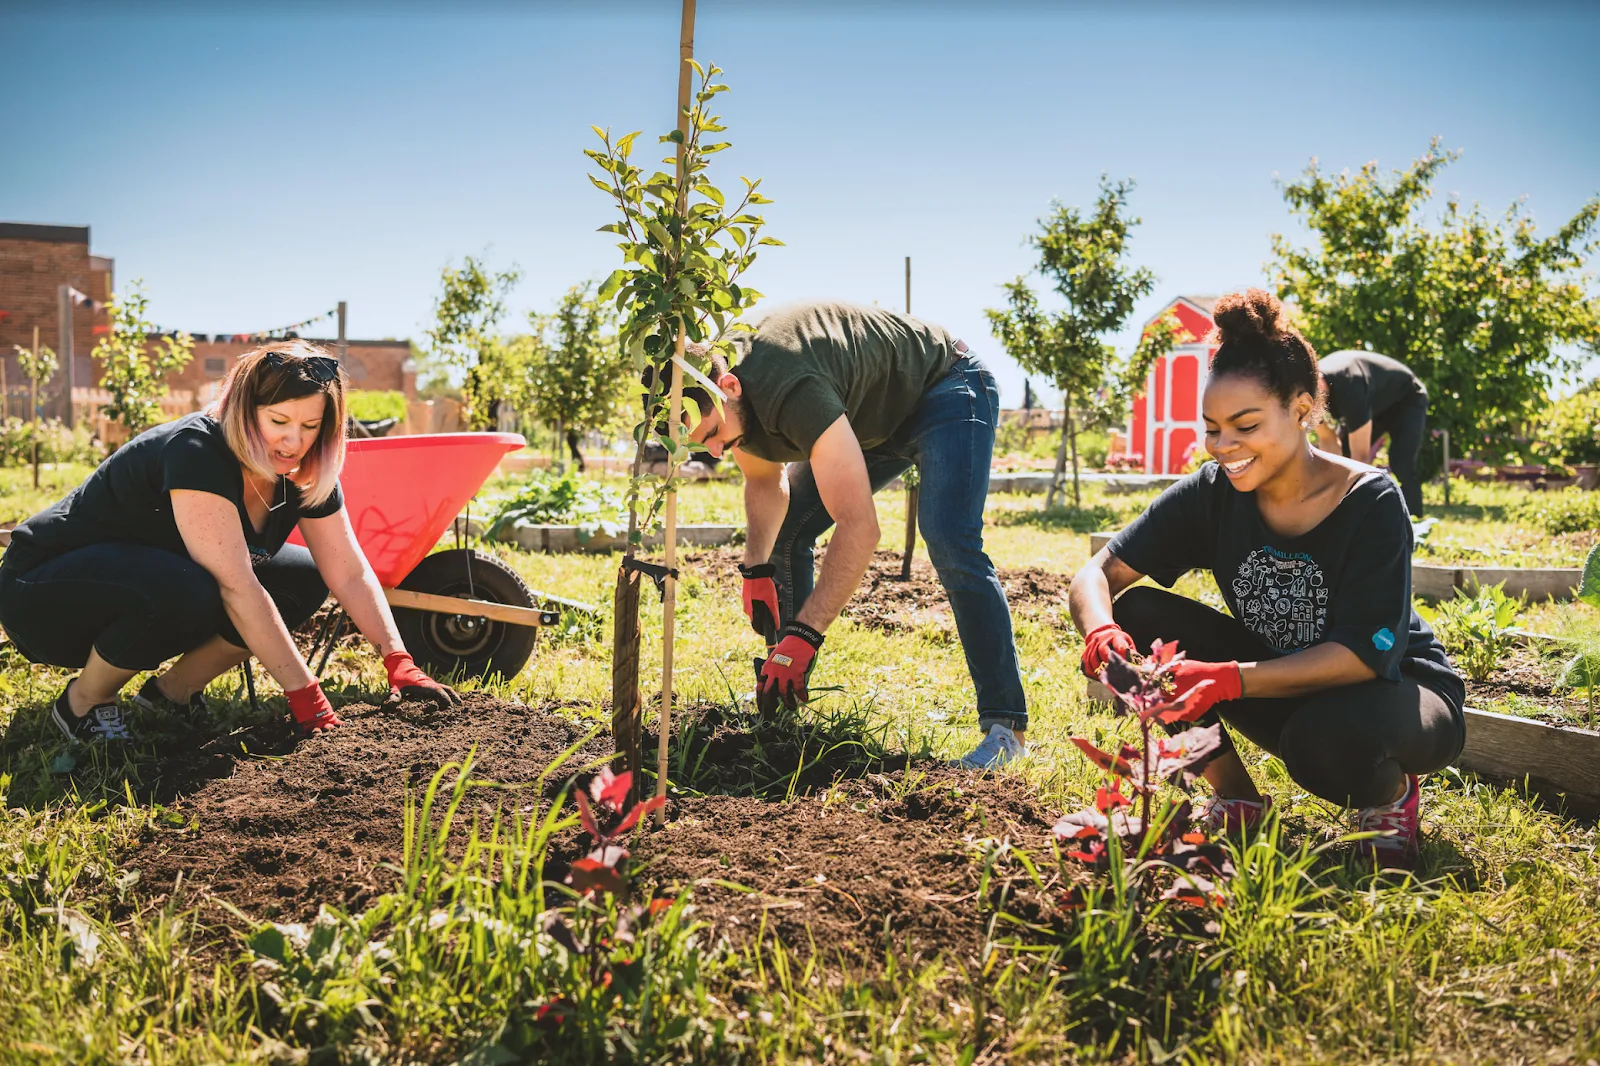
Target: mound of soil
x,y
283,826
870,852
875,861
886,603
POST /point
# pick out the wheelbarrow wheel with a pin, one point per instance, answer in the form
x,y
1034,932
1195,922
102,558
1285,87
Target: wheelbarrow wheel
x,y
446,644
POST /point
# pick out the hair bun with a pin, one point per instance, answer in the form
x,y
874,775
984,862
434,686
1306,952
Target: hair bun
x,y
1248,315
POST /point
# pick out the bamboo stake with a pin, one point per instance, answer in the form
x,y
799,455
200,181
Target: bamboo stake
x,y
912,491
669,593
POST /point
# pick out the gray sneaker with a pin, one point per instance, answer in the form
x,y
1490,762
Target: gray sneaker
x,y
103,723
151,698
998,748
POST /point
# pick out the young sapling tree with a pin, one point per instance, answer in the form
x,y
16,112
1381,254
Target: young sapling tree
x,y
1085,255
38,366
465,336
133,369
685,245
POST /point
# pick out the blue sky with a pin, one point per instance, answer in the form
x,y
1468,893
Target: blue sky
x,y
255,164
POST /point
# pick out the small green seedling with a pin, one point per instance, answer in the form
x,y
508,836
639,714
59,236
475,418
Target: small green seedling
x,y
1477,628
1583,671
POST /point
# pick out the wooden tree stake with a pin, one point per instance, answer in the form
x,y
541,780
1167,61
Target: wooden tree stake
x,y
669,594
34,408
911,490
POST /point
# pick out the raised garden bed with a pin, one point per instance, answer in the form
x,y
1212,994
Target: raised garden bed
x,y
556,538
1559,764
1440,582
1115,484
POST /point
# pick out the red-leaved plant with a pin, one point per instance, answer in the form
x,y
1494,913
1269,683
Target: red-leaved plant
x,y
605,927
1152,840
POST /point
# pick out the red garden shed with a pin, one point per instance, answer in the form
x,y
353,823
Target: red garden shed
x,y
1165,419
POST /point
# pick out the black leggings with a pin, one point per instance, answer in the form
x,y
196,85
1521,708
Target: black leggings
x,y
138,606
1350,745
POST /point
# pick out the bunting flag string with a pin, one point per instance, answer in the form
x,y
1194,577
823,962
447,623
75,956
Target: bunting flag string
x,y
292,330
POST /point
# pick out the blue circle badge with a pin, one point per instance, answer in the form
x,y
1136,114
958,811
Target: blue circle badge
x,y
1383,640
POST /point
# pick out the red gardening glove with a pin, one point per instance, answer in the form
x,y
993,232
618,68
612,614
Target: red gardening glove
x,y
1226,683
788,668
311,709
1100,640
406,682
761,600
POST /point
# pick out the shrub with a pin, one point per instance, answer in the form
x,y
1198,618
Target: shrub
x,y
373,405
1570,430
1570,510
57,443
562,498
1477,628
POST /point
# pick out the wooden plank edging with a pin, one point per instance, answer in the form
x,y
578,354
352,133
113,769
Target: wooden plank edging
x,y
1561,764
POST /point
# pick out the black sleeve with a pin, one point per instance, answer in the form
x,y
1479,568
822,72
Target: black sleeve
x,y
1349,398
1173,535
327,507
192,460
1372,593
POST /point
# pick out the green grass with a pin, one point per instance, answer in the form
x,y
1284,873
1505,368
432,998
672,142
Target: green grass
x,y
1489,953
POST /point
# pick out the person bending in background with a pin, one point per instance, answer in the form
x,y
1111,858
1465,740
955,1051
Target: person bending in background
x,y
1370,396
175,547
828,404
1323,662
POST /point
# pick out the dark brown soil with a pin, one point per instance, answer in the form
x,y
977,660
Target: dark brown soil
x,y
1527,674
867,865
868,848
289,825
887,603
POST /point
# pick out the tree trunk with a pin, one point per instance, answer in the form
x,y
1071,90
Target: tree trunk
x,y
1060,471
1072,435
572,443
626,698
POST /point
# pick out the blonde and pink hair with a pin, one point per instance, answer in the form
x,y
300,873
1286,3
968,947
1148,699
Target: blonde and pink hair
x,y
256,382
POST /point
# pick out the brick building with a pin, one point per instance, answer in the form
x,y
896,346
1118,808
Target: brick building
x,y
35,261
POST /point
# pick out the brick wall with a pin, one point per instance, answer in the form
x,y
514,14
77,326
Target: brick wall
x,y
34,262
370,364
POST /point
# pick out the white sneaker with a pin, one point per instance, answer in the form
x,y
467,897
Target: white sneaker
x,y
997,749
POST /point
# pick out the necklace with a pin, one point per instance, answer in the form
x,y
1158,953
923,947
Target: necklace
x,y
269,506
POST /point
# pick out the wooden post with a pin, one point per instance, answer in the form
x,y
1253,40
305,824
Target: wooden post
x,y
64,350
1446,434
5,392
344,348
1072,435
912,490
669,592
35,407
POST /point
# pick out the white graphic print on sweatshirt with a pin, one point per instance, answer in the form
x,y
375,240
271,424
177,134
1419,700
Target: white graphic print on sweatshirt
x,y
1282,598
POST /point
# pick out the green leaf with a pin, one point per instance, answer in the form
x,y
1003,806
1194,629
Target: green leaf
x,y
612,283
770,240
1589,587
676,137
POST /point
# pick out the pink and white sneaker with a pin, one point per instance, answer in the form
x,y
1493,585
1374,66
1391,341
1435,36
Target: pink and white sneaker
x,y
1231,816
1399,821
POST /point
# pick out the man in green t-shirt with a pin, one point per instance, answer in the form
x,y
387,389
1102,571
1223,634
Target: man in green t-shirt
x,y
828,403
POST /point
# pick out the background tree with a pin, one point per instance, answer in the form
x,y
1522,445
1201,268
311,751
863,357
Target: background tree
x,y
133,368
38,366
1085,256
577,374
465,336
1479,308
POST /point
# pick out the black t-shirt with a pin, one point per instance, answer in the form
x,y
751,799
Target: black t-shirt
x,y
128,500
1347,580
1363,385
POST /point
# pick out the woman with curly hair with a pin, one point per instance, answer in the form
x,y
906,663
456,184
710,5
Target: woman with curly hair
x,y
1321,660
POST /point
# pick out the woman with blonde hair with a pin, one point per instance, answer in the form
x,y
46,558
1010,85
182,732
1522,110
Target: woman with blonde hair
x,y
175,547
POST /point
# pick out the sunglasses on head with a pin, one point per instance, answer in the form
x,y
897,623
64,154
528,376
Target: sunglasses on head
x,y
319,368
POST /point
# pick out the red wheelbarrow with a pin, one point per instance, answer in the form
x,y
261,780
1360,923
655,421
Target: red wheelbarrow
x,y
460,612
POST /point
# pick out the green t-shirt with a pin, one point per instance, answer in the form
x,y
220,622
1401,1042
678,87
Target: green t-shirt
x,y
807,364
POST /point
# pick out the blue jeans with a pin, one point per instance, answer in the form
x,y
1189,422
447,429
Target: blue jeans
x,y
950,439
